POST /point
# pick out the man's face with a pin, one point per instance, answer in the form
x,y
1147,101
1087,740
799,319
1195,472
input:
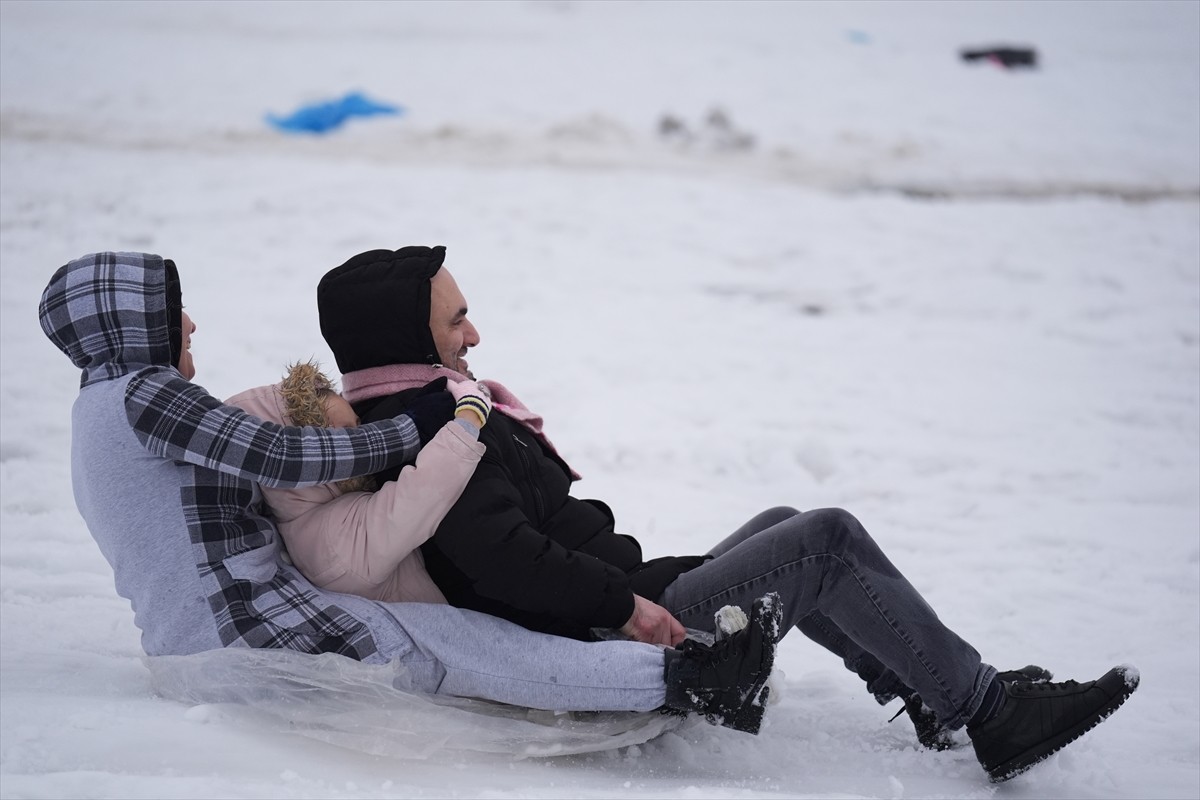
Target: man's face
x,y
452,332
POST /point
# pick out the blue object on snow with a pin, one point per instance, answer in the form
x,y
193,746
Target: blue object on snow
x,y
324,117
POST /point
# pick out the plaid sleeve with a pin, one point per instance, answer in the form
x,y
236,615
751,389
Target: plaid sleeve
x,y
179,420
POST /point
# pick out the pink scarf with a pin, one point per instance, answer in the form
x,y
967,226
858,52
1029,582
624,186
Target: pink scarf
x,y
365,384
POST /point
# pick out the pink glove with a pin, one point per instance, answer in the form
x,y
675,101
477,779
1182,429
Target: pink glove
x,y
470,396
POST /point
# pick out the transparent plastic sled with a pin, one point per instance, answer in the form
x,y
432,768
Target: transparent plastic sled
x,y
355,705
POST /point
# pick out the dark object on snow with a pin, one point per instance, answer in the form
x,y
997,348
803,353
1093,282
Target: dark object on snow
x,y
718,132
670,126
1004,56
324,117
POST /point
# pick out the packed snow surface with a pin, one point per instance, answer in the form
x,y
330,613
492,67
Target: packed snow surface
x,y
739,255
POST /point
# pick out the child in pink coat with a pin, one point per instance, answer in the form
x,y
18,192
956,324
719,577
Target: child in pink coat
x,y
345,537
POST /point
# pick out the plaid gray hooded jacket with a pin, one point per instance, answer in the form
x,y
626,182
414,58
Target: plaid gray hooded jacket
x,y
165,476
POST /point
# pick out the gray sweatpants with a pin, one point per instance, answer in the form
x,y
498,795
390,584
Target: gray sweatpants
x,y
454,651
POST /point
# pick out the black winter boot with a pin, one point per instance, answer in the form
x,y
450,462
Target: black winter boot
x,y
1039,719
936,736
930,733
726,681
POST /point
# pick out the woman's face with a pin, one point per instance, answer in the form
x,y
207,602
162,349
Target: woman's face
x,y
185,366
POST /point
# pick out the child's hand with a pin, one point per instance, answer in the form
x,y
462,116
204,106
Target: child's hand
x,y
472,401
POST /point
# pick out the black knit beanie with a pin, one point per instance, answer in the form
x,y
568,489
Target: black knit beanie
x,y
374,309
174,311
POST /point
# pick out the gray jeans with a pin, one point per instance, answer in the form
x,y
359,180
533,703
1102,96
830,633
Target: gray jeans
x,y
839,588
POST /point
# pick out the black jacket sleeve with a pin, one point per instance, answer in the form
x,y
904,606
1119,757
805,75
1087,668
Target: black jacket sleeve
x,y
489,538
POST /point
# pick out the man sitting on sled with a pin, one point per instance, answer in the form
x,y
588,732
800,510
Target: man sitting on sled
x,y
516,544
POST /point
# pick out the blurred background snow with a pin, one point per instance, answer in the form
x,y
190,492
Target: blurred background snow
x,y
739,254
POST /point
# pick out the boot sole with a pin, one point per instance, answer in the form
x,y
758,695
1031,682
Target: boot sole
x,y
749,717
1035,755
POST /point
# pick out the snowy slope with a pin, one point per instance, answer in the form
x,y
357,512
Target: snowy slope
x,y
1002,382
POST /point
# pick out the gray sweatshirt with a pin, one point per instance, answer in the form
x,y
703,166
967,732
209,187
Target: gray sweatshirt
x,y
165,476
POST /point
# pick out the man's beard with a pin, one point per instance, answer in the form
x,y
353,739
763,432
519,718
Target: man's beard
x,y
460,369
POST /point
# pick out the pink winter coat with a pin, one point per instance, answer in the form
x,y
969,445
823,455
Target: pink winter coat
x,y
368,543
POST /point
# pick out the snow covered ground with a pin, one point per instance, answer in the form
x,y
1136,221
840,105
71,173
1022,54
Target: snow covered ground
x,y
962,302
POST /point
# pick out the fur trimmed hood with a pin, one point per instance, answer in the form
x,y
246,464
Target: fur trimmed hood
x,y
302,393
299,400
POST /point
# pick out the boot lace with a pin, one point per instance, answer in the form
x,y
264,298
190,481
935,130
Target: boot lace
x,y
1048,688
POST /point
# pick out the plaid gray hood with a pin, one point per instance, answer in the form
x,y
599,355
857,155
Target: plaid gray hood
x,y
108,313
